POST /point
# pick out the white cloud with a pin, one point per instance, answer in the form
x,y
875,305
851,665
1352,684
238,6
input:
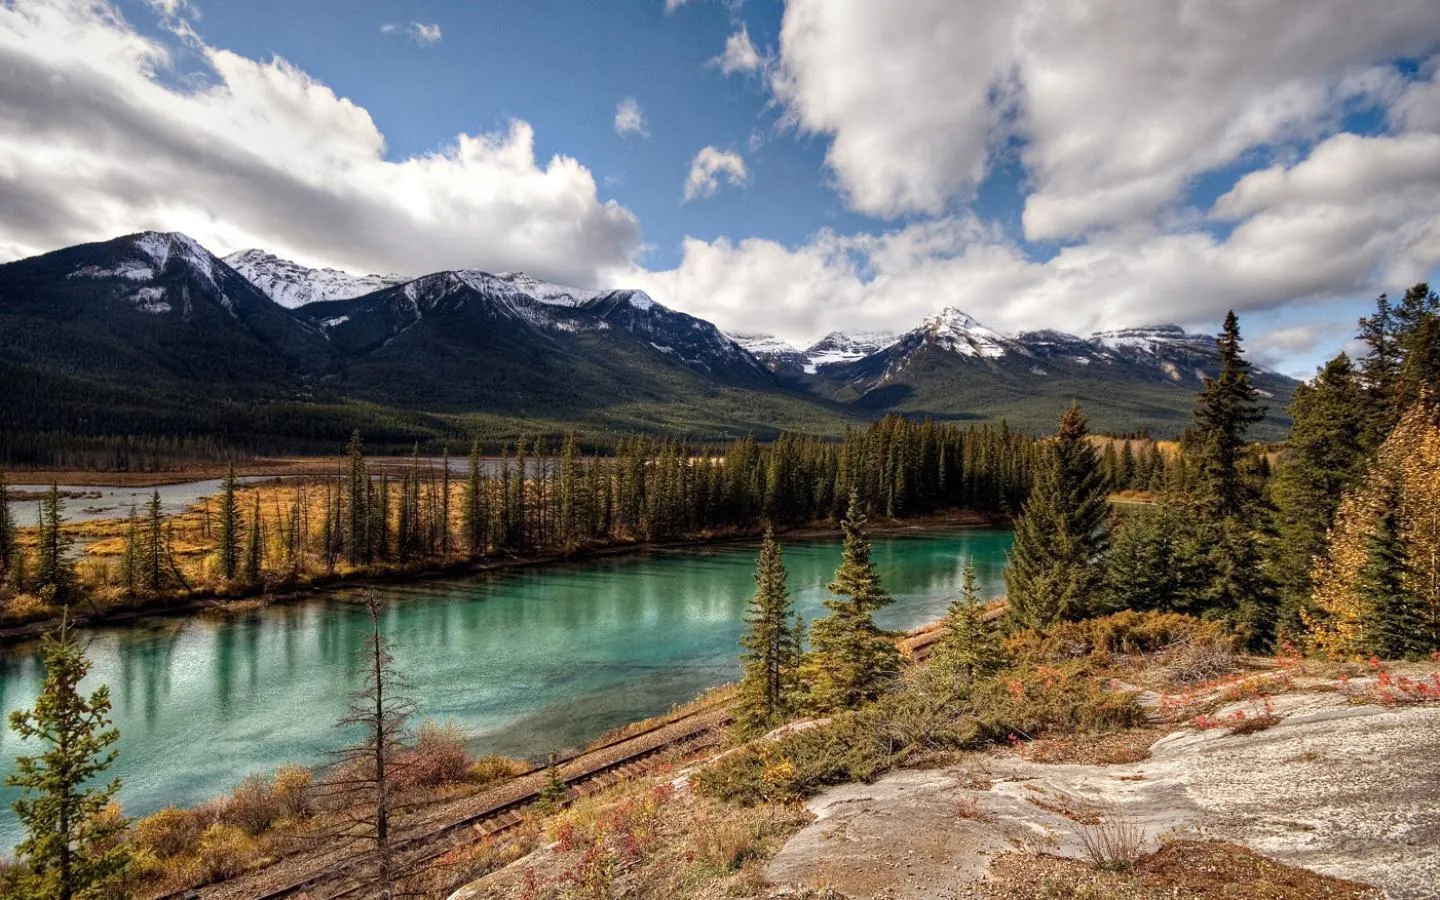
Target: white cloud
x,y
672,5
630,119
740,54
423,35
708,167
1116,106
1355,216
95,143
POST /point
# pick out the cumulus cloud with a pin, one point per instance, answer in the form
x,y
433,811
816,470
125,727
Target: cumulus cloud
x,y
94,142
422,34
630,119
740,54
1299,243
1116,107
708,167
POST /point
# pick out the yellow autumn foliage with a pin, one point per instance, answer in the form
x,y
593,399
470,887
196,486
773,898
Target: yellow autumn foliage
x,y
1410,460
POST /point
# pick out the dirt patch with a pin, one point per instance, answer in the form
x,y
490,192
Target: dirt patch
x,y
1183,870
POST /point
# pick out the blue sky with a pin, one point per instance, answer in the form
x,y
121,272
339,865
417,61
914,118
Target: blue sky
x,y
1073,167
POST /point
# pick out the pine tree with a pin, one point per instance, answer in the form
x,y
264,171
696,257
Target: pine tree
x,y
1323,458
357,533
7,531
70,849
130,562
473,518
1155,563
771,648
968,648
1056,565
1224,412
227,550
851,661
254,546
154,567
1395,622
54,572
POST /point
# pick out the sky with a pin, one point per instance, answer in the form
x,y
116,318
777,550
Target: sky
x,y
789,167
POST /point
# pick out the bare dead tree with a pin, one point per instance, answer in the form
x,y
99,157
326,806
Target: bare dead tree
x,y
363,778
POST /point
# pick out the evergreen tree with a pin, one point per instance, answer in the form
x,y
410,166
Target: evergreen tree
x,y
771,645
1323,458
130,562
54,573
357,532
1056,565
1154,563
227,550
70,850
1395,624
154,568
473,518
969,648
1224,412
254,546
7,531
851,660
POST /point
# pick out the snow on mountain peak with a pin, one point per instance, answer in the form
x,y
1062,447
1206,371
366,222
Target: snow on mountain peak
x,y
292,285
154,250
845,346
960,332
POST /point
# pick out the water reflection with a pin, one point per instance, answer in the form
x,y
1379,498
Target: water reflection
x,y
525,661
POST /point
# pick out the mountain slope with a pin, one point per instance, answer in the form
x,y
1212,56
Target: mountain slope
x,y
954,367
151,335
292,285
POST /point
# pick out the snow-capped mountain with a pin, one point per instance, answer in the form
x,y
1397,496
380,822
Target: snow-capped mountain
x,y
528,309
835,348
845,346
292,285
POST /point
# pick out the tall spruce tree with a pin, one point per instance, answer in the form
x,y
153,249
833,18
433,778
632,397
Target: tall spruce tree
x,y
1154,562
1323,458
1227,407
70,850
1056,566
7,531
1396,625
227,548
771,645
54,571
968,648
255,546
851,660
357,531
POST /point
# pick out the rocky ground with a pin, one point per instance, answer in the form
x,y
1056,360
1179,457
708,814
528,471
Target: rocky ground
x,y
1342,789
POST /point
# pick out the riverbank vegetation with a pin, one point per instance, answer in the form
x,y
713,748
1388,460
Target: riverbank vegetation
x,y
539,500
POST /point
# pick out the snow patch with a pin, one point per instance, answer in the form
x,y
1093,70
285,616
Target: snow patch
x,y
292,285
150,300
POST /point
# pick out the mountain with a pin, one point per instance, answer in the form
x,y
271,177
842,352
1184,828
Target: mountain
x,y
292,285
952,366
835,348
471,341
150,335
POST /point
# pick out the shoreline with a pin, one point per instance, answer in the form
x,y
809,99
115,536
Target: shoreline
x,y
323,585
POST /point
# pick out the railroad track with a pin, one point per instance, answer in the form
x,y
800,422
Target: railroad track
x,y
625,757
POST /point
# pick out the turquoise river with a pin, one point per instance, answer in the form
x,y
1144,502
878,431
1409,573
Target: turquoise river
x,y
524,661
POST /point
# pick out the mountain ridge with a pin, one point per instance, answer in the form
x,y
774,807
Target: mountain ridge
x,y
170,337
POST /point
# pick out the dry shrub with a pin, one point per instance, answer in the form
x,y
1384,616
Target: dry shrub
x,y
489,769
1115,842
172,831
1124,633
225,851
292,791
437,757
1031,700
1198,660
728,844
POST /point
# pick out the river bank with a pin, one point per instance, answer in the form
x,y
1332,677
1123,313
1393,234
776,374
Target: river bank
x,y
321,585
521,661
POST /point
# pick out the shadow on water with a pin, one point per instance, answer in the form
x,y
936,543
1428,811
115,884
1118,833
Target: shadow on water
x,y
523,661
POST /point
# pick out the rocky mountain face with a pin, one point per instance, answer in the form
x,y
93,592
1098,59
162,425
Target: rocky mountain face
x,y
292,285
166,336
